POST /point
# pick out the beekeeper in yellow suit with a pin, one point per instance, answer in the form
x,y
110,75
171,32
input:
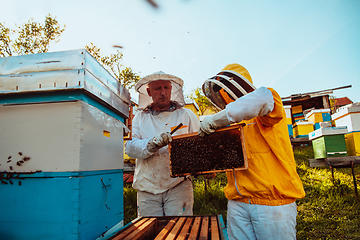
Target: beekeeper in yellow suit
x,y
160,110
262,198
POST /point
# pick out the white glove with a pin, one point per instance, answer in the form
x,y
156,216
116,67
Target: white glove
x,y
158,142
211,123
255,104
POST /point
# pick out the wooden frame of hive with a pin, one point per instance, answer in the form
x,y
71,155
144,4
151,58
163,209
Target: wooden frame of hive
x,y
236,129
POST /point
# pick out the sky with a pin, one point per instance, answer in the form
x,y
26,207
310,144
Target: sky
x,y
291,46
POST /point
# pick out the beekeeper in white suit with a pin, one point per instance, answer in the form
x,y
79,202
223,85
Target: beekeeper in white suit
x,y
161,104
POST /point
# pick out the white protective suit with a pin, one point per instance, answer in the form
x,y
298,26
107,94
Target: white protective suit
x,y
158,193
152,171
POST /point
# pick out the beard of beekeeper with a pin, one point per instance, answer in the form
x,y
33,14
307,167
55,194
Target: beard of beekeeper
x,y
261,198
160,110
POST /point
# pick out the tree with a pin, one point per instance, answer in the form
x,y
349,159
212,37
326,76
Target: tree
x,y
112,63
32,37
202,101
332,103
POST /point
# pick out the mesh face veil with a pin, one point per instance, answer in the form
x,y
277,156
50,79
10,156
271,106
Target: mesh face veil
x,y
227,86
176,91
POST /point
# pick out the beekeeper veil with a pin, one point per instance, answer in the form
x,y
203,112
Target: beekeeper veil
x,y
176,92
233,82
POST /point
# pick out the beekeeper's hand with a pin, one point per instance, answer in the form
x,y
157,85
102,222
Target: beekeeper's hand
x,y
158,142
211,123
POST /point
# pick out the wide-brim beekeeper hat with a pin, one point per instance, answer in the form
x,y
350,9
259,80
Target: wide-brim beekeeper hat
x,y
233,82
177,83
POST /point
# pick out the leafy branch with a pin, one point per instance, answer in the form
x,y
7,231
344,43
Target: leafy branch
x,y
112,63
32,37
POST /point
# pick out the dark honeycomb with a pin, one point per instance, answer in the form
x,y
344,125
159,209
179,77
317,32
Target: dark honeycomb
x,y
218,151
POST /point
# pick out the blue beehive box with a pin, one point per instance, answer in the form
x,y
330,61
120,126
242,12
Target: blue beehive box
x,y
61,147
290,130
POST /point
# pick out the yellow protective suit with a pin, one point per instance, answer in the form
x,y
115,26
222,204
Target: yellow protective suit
x,y
271,178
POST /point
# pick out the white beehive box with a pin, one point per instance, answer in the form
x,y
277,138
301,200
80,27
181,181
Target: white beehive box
x,y
328,131
288,114
348,116
58,137
64,75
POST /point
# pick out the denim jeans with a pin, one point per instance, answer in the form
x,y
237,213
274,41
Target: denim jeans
x,y
251,221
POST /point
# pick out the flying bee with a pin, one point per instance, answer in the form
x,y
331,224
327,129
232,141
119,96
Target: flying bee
x,y
4,182
19,183
10,167
26,158
8,161
18,163
9,157
20,153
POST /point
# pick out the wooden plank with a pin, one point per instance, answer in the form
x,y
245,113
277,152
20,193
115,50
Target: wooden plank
x,y
195,229
214,171
166,230
342,161
246,164
141,229
334,161
235,126
317,162
185,230
214,228
222,227
130,229
176,229
204,229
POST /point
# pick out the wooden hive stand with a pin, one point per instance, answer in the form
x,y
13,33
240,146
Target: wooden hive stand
x,y
338,162
173,227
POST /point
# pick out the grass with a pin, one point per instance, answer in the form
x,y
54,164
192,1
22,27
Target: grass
x,y
130,203
330,209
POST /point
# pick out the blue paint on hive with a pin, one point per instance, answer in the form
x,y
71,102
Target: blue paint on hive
x,y
68,205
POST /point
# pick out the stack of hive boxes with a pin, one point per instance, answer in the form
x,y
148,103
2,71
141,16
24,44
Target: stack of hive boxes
x,y
301,128
61,146
349,116
318,117
297,113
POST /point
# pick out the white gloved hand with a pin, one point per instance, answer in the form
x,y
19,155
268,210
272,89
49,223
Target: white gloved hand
x,y
211,123
158,142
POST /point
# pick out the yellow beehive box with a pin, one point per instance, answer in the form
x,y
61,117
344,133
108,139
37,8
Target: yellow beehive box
x,y
302,129
318,115
353,143
296,109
